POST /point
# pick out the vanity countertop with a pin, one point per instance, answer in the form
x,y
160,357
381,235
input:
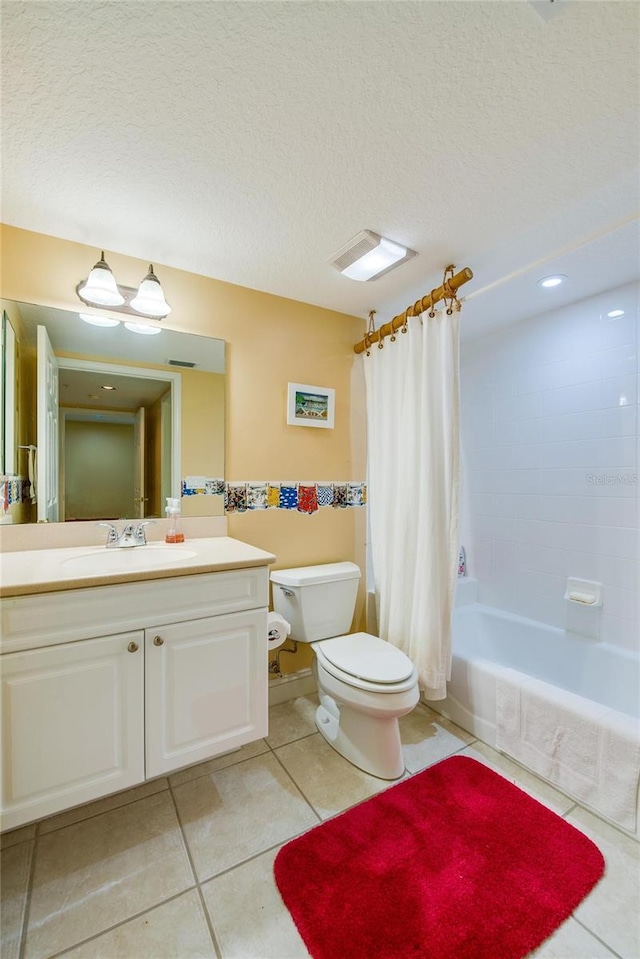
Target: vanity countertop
x,y
49,570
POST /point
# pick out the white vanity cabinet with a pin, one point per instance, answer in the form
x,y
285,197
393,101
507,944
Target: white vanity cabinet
x,y
105,687
206,688
71,725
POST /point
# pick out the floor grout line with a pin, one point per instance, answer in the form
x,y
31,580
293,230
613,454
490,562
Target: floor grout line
x,y
207,917
218,769
117,925
597,937
94,815
27,906
298,788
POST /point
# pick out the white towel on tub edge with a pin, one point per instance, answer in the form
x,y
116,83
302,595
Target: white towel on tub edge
x,y
587,750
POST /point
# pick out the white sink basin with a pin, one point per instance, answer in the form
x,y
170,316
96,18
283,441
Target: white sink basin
x,y
123,559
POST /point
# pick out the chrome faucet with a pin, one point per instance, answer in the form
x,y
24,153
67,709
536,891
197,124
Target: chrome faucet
x,y
130,536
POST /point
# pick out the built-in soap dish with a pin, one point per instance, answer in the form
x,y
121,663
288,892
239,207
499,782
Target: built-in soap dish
x,y
584,592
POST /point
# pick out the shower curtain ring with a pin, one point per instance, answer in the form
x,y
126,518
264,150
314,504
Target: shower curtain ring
x,y
370,331
432,312
449,294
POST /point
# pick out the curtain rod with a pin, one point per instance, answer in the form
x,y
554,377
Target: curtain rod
x,y
427,302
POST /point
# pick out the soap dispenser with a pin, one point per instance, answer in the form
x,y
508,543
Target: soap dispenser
x,y
174,533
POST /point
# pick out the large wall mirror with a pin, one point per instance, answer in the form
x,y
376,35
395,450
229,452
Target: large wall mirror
x,y
107,422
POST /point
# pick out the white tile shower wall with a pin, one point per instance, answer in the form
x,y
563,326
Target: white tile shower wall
x,y
551,477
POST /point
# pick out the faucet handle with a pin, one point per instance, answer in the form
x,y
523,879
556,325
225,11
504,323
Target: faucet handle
x,y
112,536
139,531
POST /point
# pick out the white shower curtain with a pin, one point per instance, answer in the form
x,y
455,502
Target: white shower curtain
x,y
413,451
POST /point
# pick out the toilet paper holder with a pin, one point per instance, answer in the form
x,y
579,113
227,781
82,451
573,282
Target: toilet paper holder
x,y
277,630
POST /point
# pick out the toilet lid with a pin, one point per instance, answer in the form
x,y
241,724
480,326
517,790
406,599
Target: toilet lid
x,y
367,657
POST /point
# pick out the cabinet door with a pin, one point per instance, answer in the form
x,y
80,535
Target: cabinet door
x,y
72,724
206,688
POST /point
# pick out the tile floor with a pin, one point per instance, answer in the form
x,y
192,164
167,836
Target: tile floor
x,y
182,867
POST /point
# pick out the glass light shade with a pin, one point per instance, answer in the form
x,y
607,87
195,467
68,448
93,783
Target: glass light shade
x,y
150,298
143,329
375,261
98,320
100,287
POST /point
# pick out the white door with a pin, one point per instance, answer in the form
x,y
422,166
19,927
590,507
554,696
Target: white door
x,y
72,726
166,488
139,499
47,430
206,688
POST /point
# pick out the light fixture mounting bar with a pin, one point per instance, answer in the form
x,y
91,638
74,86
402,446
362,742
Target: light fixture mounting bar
x,y
128,292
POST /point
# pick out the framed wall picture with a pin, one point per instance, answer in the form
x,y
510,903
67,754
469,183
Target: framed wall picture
x,y
310,405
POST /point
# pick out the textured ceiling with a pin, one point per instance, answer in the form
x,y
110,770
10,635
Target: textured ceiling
x,y
249,141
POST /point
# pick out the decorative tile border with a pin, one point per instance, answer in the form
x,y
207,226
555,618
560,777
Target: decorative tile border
x,y
202,486
305,497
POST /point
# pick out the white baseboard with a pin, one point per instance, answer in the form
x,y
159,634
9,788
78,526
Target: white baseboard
x,y
284,688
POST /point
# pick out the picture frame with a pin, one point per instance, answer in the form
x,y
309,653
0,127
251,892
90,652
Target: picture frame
x,y
310,406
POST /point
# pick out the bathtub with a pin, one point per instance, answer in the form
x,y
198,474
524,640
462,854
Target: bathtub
x,y
599,682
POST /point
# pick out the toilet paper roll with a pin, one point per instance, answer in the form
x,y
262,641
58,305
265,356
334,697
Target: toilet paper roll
x,y
277,629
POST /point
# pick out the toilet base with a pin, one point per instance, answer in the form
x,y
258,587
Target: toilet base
x,y
370,743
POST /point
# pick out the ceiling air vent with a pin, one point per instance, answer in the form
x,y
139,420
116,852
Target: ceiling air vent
x,y
355,249
369,255
184,363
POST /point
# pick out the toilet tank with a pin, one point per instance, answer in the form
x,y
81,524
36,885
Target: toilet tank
x,y
318,601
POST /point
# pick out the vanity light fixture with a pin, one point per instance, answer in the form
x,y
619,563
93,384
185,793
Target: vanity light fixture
x,y
149,299
548,282
369,255
101,290
143,328
100,287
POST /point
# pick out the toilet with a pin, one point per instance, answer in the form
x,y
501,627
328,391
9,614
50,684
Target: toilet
x,y
364,684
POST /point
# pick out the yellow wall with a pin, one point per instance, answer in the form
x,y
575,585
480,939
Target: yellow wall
x,y
270,341
99,470
203,446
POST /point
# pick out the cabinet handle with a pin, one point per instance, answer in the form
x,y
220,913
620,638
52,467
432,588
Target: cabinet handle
x,y
133,647
158,641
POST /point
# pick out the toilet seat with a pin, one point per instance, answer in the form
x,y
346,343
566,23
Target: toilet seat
x,y
361,658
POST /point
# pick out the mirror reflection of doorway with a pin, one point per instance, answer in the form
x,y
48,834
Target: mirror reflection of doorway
x,y
99,458
118,446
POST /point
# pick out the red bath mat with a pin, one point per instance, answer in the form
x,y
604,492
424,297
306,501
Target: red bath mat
x,y
453,863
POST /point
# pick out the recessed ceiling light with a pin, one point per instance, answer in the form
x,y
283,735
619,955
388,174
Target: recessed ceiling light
x,y
614,313
143,329
110,388
554,280
98,320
